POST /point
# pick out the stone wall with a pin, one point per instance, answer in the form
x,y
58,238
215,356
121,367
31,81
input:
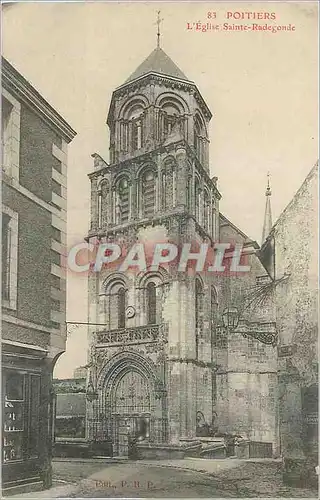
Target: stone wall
x,y
246,377
295,237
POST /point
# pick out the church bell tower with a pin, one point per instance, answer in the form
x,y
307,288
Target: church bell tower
x,y
151,356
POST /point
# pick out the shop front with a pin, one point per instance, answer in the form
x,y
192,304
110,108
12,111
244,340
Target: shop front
x,y
26,422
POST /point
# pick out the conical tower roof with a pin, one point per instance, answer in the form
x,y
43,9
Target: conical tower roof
x,y
157,62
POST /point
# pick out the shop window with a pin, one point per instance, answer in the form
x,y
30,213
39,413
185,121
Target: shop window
x,y
15,387
20,416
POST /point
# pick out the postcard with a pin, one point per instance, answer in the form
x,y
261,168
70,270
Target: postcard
x,y
159,249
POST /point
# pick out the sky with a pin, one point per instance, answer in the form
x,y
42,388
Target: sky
x,y
261,87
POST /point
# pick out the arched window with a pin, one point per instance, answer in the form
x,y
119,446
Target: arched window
x,y
168,185
148,193
197,200
163,190
213,327
151,303
135,125
189,193
171,115
99,208
103,199
115,305
206,211
132,125
121,308
137,134
122,208
199,134
213,308
124,136
198,313
169,122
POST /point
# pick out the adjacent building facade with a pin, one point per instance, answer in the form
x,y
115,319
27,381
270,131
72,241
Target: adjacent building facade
x,y
174,350
70,411
34,197
290,253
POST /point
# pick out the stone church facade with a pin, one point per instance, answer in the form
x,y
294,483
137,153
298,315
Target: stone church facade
x,y
166,357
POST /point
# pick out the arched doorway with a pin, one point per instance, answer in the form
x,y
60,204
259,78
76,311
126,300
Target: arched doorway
x,y
132,401
132,408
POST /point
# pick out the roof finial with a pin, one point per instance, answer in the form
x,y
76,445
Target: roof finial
x,y
158,32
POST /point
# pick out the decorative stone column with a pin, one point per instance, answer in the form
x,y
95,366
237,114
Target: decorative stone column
x,y
94,204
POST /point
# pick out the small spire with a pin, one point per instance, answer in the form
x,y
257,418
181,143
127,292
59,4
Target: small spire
x,y
267,223
158,22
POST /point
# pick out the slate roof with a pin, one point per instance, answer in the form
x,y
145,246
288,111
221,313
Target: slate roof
x,y
157,62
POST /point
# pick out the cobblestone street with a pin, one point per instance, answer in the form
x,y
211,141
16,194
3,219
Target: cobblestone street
x,y
189,478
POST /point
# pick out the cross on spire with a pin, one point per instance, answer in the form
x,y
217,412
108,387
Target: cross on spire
x,y
268,192
158,22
